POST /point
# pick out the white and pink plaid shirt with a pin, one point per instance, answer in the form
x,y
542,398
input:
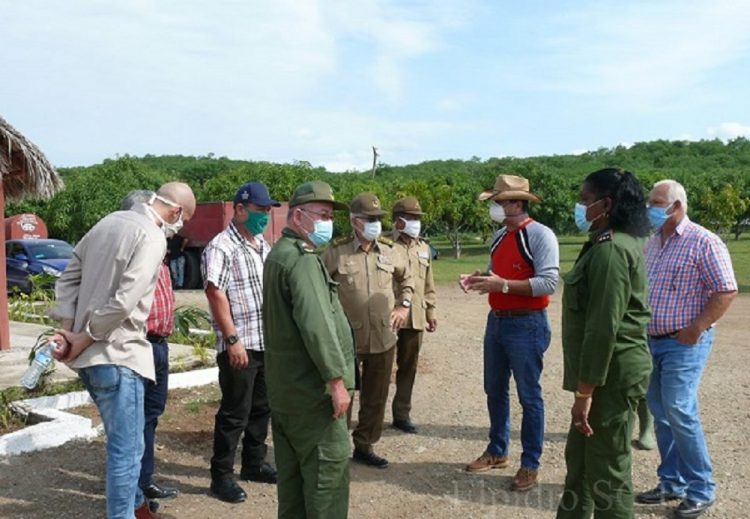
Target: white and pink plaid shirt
x,y
693,264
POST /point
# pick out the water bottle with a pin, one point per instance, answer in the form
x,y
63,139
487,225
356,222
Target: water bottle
x,y
41,362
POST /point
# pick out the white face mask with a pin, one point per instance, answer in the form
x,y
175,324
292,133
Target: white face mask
x,y
169,229
497,212
372,230
411,227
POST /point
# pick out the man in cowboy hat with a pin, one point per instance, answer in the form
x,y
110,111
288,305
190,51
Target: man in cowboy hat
x,y
522,273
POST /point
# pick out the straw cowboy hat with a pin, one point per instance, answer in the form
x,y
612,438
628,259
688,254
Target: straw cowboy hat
x,y
510,187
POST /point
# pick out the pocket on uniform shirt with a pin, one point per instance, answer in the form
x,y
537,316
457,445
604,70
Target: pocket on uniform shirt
x,y
424,264
574,288
385,274
333,456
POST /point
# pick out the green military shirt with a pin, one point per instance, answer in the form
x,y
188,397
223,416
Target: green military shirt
x,y
605,312
419,261
366,288
308,338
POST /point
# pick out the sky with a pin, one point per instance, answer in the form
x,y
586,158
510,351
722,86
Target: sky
x,y
324,81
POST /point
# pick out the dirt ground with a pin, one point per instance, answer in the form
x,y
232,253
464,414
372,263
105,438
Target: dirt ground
x,y
425,478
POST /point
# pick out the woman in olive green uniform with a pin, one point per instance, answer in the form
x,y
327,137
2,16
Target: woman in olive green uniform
x,y
607,362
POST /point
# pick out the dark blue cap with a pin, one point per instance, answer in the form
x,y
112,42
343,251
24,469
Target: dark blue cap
x,y
254,193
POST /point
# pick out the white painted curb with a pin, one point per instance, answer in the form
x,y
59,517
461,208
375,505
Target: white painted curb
x,y
60,427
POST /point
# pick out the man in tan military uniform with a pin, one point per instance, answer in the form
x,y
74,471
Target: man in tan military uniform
x,y
407,215
367,267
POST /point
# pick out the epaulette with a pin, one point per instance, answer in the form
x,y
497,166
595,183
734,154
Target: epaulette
x,y
303,247
341,240
605,236
386,240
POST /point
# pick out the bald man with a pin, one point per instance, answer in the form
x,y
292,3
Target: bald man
x,y
103,299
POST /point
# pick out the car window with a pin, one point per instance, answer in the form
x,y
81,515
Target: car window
x,y
51,250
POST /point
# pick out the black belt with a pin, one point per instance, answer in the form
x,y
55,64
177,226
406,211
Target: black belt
x,y
515,313
152,337
663,336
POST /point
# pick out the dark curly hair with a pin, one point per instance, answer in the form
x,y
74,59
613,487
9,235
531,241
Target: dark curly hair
x,y
628,212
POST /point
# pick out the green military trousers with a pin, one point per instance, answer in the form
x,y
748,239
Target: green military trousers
x,y
599,478
312,459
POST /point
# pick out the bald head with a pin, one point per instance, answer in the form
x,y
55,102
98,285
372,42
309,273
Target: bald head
x,y
181,194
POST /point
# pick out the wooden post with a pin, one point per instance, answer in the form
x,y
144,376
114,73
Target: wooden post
x,y
4,321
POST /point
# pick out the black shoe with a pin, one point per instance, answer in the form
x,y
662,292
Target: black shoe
x,y
154,491
265,473
228,490
405,425
370,459
656,496
689,509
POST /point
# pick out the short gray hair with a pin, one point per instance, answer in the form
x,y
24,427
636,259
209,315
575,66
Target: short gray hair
x,y
675,191
137,196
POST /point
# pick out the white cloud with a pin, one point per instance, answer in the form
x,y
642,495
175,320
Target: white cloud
x,y
729,131
645,53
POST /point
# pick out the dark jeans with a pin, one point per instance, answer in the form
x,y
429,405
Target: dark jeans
x,y
244,407
155,400
515,346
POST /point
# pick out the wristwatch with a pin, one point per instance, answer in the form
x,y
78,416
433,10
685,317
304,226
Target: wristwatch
x,y
231,339
406,303
506,287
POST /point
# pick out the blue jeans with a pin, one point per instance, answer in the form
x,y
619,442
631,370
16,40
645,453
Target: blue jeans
x,y
155,401
516,345
673,399
118,394
178,270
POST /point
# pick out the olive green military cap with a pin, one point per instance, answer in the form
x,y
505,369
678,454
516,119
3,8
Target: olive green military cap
x,y
367,204
407,205
315,191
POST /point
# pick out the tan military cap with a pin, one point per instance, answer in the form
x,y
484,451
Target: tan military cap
x,y
407,205
366,203
315,191
510,187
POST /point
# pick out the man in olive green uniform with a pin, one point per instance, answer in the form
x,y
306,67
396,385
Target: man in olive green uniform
x,y
366,266
309,363
407,214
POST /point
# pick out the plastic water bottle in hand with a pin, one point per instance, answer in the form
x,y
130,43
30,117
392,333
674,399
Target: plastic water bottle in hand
x,y
41,362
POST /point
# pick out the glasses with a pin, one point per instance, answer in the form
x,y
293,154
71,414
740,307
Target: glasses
x,y
324,215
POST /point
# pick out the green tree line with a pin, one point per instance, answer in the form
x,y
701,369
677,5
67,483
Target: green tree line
x,y
715,174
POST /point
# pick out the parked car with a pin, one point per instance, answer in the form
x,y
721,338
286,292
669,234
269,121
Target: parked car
x,y
29,257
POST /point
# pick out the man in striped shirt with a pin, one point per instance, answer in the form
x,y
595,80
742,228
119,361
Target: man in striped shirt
x,y
232,270
691,287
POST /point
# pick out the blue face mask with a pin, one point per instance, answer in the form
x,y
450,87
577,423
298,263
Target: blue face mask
x,y
322,232
580,216
582,223
658,216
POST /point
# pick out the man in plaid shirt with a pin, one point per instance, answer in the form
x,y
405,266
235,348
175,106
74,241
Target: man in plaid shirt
x,y
691,287
232,270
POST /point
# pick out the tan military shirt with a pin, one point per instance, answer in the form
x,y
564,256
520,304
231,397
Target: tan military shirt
x,y
419,261
366,288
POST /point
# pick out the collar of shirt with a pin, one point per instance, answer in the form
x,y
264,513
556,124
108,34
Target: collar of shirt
x,y
358,243
144,209
238,237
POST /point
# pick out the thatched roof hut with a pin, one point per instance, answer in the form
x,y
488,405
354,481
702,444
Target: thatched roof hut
x,y
24,173
25,170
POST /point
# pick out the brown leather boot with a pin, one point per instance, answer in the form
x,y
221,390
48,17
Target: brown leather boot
x,y
487,461
525,479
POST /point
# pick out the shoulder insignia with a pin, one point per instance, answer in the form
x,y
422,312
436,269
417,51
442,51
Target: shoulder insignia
x,y
341,240
605,236
386,240
303,247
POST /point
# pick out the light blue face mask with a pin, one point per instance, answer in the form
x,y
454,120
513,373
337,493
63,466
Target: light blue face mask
x,y
322,231
658,216
582,223
580,217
